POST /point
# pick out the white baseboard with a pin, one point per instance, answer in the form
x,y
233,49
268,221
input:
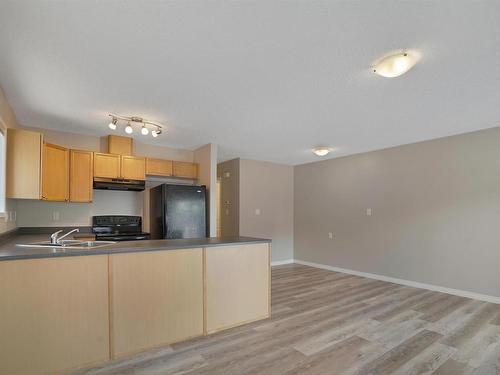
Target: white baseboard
x,y
415,284
281,262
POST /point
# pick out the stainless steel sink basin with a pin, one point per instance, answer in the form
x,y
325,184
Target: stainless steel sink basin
x,y
69,244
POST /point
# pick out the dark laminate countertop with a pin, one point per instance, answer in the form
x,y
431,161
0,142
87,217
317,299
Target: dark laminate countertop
x,y
9,250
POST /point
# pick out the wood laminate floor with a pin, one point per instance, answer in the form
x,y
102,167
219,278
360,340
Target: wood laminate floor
x,y
333,323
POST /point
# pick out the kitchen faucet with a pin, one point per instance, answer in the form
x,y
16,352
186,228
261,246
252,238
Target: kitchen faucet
x,y
55,240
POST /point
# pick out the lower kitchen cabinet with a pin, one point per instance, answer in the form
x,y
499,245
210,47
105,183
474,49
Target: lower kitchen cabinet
x,y
237,285
156,299
53,314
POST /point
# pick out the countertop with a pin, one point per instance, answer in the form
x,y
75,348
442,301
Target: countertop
x,y
9,250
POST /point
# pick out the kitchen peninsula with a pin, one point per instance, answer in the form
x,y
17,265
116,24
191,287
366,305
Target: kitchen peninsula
x,y
62,309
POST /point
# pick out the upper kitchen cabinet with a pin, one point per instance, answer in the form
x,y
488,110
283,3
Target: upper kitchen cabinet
x,y
158,167
24,151
81,172
185,169
119,166
55,173
120,145
133,168
106,165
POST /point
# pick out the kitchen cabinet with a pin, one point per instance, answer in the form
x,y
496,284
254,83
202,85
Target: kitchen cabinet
x,y
81,174
237,285
185,169
120,145
53,314
133,168
55,173
119,166
23,164
106,165
158,167
156,299
60,313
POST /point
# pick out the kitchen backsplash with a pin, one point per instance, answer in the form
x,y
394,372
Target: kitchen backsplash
x,y
33,213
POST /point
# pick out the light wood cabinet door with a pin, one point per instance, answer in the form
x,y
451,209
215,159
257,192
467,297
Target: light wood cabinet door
x,y
106,165
120,145
237,284
156,299
23,164
55,173
185,169
53,314
81,175
158,167
133,168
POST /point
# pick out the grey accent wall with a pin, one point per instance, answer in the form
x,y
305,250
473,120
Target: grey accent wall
x,y
435,212
268,188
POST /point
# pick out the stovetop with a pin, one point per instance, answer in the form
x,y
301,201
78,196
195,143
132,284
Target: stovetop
x,y
118,228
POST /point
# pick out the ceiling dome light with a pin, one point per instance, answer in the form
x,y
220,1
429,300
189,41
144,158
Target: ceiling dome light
x,y
144,130
321,151
112,124
395,65
128,129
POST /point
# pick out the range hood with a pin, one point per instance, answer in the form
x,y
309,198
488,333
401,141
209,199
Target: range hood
x,y
118,184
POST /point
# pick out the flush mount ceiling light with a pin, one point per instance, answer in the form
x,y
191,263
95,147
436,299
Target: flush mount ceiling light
x,y
322,151
145,124
395,65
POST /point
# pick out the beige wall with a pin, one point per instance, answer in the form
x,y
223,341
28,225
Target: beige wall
x,y
206,157
8,118
34,213
267,187
229,177
435,212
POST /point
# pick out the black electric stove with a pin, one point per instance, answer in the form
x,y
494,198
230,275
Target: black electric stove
x,y
118,228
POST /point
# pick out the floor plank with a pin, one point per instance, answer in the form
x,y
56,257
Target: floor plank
x,y
326,322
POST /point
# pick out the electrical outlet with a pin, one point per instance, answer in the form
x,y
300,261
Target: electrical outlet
x,y
330,235
368,212
257,211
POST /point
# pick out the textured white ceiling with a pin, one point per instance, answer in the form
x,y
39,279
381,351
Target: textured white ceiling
x,y
265,80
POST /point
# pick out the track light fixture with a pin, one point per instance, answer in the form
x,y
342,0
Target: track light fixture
x,y
112,124
145,128
128,128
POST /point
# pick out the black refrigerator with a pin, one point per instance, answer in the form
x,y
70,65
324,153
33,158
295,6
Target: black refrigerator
x,y
178,211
